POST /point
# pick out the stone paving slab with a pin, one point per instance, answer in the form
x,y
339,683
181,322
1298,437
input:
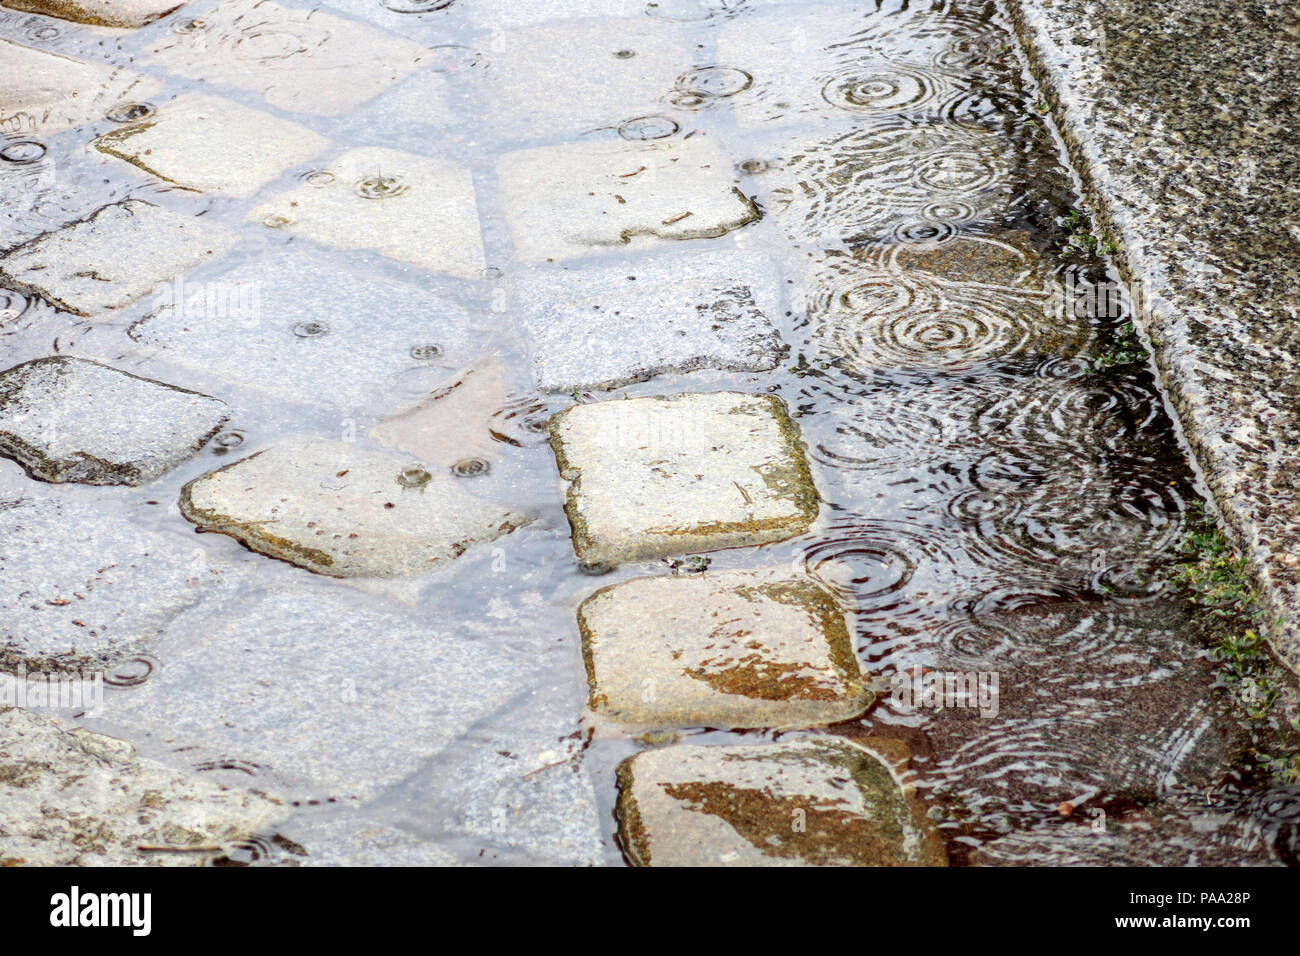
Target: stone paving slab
x,y
298,60
598,74
453,426
602,328
117,255
727,649
676,474
1180,118
69,419
410,208
344,511
521,784
84,588
324,698
817,801
74,798
48,92
353,841
122,14
209,144
296,325
564,202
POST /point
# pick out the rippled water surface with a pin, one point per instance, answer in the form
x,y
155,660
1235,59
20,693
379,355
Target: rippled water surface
x,y
997,500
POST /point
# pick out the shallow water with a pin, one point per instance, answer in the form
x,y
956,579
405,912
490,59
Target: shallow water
x,y
996,501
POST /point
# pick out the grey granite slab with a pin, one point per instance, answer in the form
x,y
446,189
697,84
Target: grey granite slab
x,y
602,328
69,797
1181,118
113,257
69,419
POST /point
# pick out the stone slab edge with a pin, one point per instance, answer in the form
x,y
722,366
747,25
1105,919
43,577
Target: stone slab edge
x,y
1217,364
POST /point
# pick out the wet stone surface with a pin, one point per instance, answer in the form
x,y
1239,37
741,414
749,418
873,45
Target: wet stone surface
x,y
670,475
410,208
47,92
565,202
296,328
345,511
808,802
122,14
85,589
605,328
68,419
114,257
209,144
73,798
300,61
727,649
385,692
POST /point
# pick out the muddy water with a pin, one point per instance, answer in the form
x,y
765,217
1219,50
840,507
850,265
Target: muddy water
x,y
1000,500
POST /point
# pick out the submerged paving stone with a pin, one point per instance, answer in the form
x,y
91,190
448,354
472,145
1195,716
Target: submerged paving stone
x,y
410,208
69,419
114,257
301,327
324,697
47,92
75,798
596,329
671,475
454,424
349,841
81,587
567,201
817,801
344,511
209,144
597,74
729,649
123,14
961,304
883,180
298,60
522,786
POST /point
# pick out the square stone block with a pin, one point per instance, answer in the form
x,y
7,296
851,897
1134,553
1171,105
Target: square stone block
x,y
209,144
730,649
563,202
672,475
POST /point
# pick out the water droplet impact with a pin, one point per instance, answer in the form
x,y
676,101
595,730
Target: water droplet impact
x,y
227,441
648,127
752,167
716,81
414,477
310,330
416,6
44,32
491,273
12,305
276,221
426,353
189,25
132,673
129,112
381,187
318,177
625,54
24,151
470,468
452,58
688,101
